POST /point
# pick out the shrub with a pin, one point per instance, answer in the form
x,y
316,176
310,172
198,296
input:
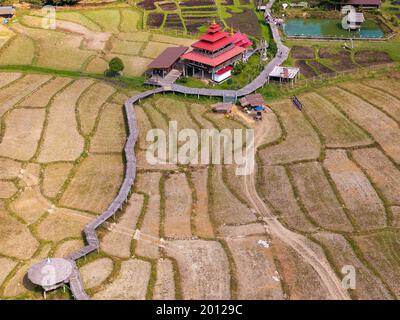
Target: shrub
x,y
115,67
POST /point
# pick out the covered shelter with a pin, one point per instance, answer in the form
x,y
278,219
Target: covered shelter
x,y
7,11
284,74
354,20
253,100
51,273
222,107
166,61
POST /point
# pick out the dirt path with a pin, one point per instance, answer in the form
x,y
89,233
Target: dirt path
x,y
294,240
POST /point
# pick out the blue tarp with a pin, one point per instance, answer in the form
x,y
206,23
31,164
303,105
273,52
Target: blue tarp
x,y
259,108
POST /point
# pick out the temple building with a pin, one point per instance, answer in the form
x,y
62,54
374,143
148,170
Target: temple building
x,y
213,56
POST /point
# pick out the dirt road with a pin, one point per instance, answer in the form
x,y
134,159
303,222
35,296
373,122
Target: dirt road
x,y
296,241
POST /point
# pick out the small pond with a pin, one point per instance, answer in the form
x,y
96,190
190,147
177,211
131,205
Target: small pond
x,y
330,28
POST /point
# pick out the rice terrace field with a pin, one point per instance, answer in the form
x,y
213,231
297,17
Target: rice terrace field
x,y
325,192
198,215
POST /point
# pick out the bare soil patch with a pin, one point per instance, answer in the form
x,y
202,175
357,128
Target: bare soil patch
x,y
148,243
90,103
305,69
8,77
201,277
178,207
118,241
196,3
322,69
368,285
30,175
276,188
337,130
302,52
173,21
387,85
147,4
269,129
226,208
54,177
97,65
95,183
246,22
30,205
62,223
356,191
168,6
126,47
376,97
242,230
338,60
9,169
194,23
384,130
22,134
318,197
301,142
110,135
6,265
382,251
15,239
164,288
371,57
19,284
96,272
93,40
130,284
396,216
68,247
7,189
382,171
301,280
43,95
155,20
203,225
10,95
144,126
255,269
62,123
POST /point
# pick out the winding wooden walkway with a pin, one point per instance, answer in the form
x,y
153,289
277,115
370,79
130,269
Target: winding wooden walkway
x,y
92,240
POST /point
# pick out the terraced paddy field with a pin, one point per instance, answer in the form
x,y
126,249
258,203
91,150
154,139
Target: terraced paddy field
x,y
329,174
84,40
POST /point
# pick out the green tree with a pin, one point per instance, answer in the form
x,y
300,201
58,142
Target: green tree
x,y
115,67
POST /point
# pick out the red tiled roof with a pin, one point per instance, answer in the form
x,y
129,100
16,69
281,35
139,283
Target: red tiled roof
x,y
223,70
212,37
223,42
213,62
241,40
214,27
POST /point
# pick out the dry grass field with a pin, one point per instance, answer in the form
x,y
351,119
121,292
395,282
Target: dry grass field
x,y
329,173
48,124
